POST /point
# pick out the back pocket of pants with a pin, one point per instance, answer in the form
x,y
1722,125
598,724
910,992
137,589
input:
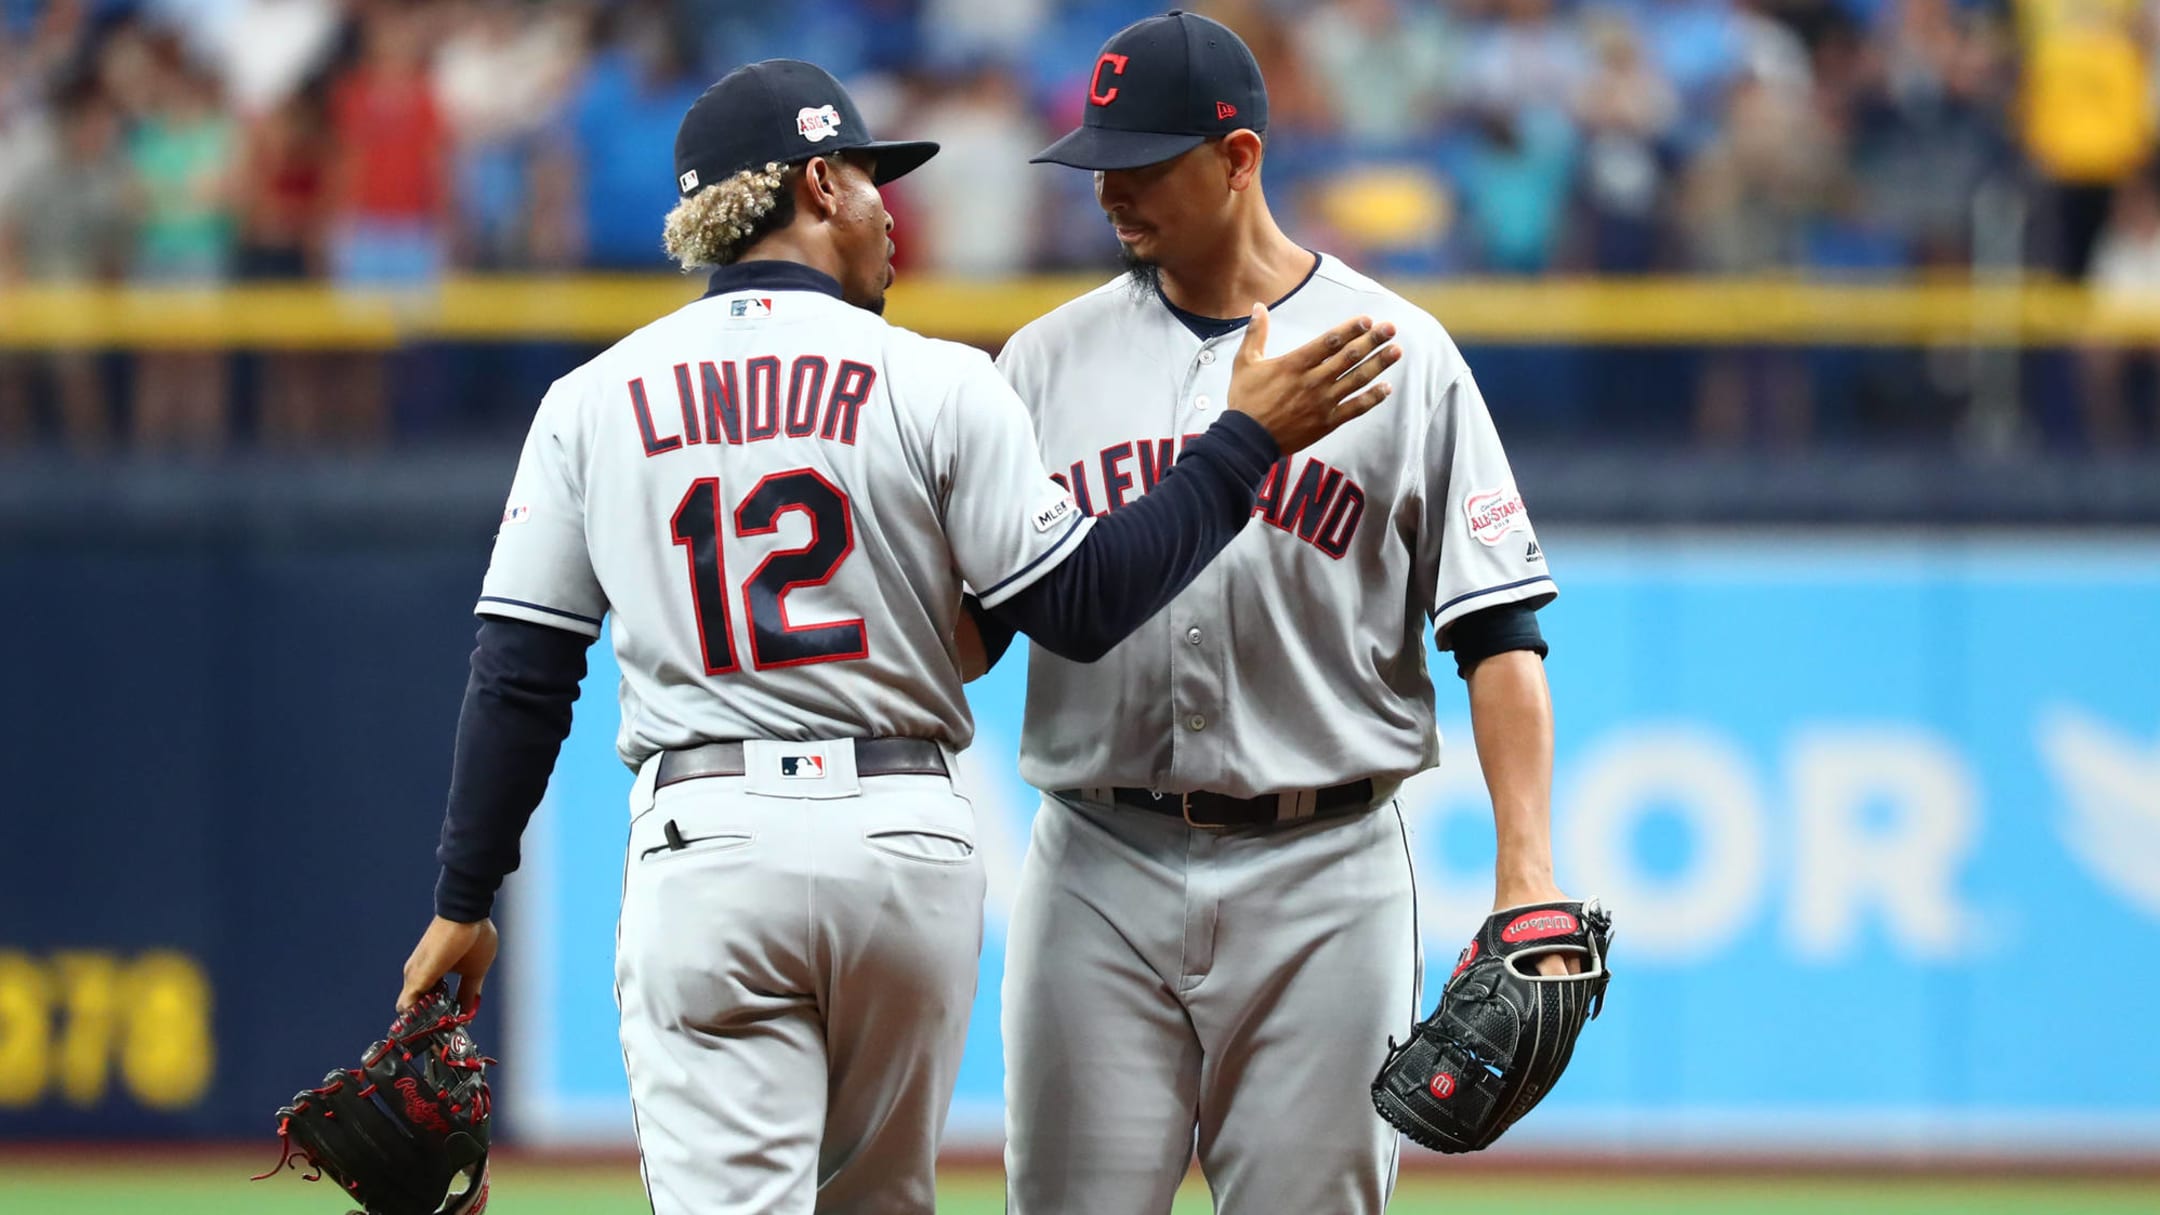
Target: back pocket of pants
x,y
677,844
929,847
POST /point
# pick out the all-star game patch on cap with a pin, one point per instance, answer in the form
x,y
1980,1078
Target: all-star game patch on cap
x,y
779,111
1160,88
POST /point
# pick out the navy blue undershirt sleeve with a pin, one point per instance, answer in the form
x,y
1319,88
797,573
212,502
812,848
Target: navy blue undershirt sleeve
x,y
517,712
1138,557
1477,636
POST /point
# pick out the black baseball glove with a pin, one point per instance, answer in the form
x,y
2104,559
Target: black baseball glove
x,y
409,1121
1502,1033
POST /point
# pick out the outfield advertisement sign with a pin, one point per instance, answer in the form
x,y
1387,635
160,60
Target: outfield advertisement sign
x,y
1879,823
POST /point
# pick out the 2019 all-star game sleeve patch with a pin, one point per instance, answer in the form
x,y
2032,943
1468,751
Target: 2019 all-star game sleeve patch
x,y
1493,513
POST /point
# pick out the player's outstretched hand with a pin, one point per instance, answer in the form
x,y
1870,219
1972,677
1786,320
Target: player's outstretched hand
x,y
1304,394
448,947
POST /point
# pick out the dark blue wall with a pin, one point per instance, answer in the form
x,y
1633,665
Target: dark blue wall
x,y
234,745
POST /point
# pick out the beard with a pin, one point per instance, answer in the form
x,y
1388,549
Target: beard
x,y
1146,281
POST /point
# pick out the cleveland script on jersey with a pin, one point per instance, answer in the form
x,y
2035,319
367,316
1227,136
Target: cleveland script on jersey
x,y
1308,605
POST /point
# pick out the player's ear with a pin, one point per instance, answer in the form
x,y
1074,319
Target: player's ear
x,y
821,186
1241,153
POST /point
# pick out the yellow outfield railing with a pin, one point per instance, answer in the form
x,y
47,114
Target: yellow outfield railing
x,y
600,308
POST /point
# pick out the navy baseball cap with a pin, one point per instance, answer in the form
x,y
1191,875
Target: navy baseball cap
x,y
1160,88
781,110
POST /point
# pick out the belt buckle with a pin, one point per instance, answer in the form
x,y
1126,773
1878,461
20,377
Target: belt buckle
x,y
1185,811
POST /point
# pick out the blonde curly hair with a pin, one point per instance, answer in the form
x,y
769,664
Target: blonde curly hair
x,y
713,226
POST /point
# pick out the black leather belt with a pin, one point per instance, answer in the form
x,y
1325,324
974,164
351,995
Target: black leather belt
x,y
1219,810
873,757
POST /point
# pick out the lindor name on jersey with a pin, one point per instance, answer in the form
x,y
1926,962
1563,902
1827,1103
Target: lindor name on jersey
x,y
1314,502
737,401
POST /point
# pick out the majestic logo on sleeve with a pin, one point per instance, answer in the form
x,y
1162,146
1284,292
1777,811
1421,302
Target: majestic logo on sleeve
x,y
1493,513
822,122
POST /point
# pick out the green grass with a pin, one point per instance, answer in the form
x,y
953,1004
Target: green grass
x,y
85,1185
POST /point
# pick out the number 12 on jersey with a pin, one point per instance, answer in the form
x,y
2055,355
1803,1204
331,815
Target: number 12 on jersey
x,y
774,642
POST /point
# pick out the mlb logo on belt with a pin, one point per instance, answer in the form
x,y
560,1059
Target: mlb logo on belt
x,y
803,767
761,307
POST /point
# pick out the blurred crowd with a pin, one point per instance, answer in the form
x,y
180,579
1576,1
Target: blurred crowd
x,y
379,142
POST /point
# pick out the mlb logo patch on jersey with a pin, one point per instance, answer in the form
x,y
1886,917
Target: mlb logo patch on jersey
x,y
803,767
1055,513
822,122
516,514
759,307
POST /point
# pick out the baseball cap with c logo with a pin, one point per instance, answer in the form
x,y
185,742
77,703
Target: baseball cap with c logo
x,y
1160,88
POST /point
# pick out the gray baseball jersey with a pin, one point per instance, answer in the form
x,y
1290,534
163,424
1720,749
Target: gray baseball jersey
x,y
778,496
1297,659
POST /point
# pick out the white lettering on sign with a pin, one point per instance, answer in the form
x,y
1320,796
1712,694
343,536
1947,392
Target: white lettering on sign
x,y
1683,770
1883,821
1857,832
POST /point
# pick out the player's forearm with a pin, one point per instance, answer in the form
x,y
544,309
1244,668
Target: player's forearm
x,y
983,639
1136,559
1511,715
516,714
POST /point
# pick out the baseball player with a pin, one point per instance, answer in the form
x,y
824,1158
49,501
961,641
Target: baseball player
x,y
778,497
1215,929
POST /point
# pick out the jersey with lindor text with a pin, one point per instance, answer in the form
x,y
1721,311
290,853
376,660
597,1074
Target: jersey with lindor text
x,y
778,498
1296,660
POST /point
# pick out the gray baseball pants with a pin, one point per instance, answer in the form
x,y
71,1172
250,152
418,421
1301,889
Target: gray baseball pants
x,y
795,981
1169,988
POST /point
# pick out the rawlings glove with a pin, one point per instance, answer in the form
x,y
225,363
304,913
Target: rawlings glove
x,y
1502,1033
400,1128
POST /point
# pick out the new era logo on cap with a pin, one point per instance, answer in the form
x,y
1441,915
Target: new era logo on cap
x,y
803,767
1224,109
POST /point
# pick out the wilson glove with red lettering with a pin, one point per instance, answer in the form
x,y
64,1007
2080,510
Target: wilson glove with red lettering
x,y
400,1129
1502,1033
